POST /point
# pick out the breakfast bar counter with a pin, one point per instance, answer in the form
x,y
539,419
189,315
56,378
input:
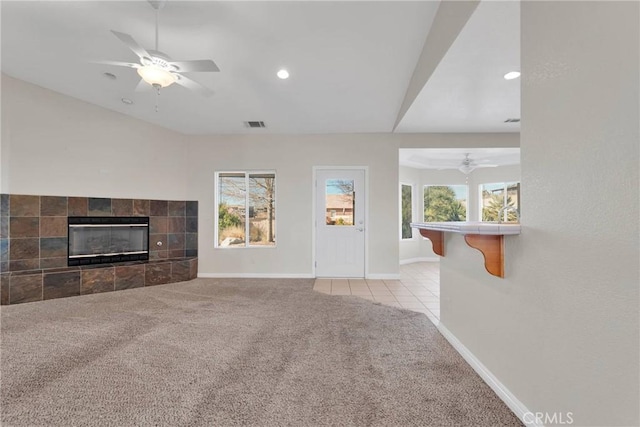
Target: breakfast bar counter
x,y
487,237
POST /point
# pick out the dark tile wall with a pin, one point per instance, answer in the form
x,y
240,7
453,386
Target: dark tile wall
x,y
33,229
4,232
34,245
37,285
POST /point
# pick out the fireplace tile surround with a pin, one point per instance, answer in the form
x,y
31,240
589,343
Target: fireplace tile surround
x,y
34,246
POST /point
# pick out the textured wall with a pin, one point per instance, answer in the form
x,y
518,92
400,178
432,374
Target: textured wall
x,y
561,330
293,158
54,144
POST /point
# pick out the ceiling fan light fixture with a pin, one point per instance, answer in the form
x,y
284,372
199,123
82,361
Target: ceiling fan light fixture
x,y
156,76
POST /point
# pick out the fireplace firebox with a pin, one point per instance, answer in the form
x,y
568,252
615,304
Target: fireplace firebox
x,y
107,239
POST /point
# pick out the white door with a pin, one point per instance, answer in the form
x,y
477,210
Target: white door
x,y
340,223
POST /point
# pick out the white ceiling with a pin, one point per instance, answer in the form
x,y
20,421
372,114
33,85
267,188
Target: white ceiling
x,y
467,92
350,63
451,158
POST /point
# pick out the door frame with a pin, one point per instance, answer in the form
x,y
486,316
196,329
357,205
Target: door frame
x,y
314,218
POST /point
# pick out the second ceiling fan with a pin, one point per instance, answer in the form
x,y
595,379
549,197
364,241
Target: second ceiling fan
x,y
469,165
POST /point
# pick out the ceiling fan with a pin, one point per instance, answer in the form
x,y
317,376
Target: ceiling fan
x,y
157,69
468,165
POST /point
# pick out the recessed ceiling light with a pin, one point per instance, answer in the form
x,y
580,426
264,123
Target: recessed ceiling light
x,y
109,76
283,74
126,101
512,75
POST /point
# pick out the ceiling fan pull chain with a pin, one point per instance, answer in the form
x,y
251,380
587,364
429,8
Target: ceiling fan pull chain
x,y
157,96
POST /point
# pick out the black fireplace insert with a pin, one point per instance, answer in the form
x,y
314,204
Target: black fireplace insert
x,y
107,239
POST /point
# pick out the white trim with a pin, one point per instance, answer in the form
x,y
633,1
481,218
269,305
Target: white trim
x,y
422,259
255,276
414,236
314,181
383,276
500,389
247,226
505,186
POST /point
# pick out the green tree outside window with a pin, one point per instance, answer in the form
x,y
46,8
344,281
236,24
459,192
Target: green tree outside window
x,y
406,211
441,204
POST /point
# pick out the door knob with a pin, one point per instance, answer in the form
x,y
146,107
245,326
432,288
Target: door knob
x,y
360,229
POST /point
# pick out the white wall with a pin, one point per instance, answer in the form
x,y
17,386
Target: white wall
x,y
561,330
53,144
293,158
4,145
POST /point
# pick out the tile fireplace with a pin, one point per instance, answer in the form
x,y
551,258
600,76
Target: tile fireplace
x,y
63,246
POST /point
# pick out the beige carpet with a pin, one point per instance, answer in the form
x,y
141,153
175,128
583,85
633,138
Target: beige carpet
x,y
229,352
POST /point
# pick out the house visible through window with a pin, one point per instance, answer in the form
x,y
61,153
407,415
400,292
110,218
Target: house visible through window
x,y
445,203
406,210
497,195
245,207
340,202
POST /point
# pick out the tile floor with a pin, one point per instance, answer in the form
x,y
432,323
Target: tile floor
x,y
418,289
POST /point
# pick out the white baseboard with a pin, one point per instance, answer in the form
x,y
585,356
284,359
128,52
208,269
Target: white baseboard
x,y
503,392
383,276
284,276
254,276
423,259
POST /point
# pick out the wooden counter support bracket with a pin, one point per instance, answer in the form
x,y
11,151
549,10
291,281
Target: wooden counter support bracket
x,y
491,247
437,240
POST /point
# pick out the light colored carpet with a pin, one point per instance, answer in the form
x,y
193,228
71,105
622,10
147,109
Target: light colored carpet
x,y
234,352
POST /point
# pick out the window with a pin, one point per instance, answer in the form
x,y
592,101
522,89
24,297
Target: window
x,y
340,202
406,210
245,207
445,203
494,197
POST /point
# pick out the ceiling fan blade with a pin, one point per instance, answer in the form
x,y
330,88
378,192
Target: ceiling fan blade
x,y
193,85
143,86
118,63
195,65
485,166
132,44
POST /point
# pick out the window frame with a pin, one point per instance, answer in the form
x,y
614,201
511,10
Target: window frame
x,y
413,210
505,187
216,200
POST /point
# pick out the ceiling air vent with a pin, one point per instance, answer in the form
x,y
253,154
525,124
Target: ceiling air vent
x,y
255,124
512,121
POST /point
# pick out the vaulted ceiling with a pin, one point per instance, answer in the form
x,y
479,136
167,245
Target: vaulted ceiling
x,y
350,63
